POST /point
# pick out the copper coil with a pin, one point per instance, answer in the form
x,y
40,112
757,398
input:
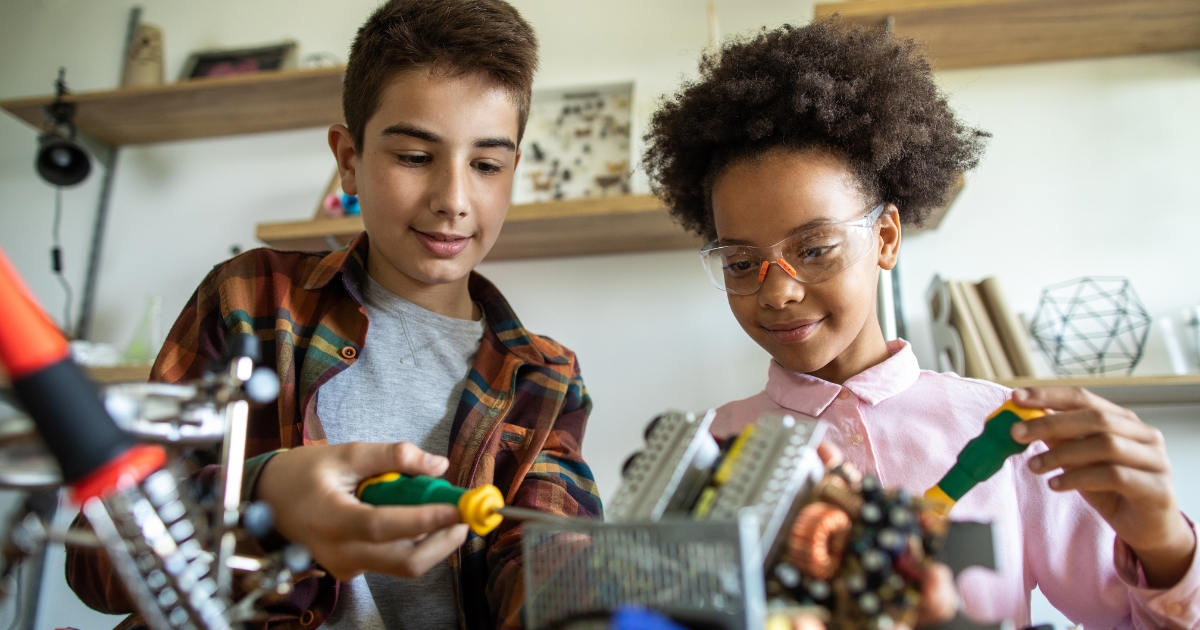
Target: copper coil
x,y
835,490
818,540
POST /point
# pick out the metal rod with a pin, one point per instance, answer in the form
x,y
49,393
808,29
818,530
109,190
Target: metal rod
x,y
526,514
135,586
108,157
898,303
233,462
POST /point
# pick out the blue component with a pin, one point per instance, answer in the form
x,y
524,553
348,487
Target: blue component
x,y
350,204
629,618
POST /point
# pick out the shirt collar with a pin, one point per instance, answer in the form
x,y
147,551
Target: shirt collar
x,y
811,396
350,262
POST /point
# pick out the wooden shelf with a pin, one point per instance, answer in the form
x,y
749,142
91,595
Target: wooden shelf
x,y
113,374
968,33
1128,390
605,225
201,108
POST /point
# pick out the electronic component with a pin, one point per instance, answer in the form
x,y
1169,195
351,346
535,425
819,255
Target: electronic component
x,y
771,465
706,573
669,474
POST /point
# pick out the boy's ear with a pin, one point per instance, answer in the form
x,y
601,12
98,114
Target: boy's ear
x,y
889,237
341,142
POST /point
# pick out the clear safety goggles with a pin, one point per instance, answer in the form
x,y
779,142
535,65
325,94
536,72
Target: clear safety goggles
x,y
812,256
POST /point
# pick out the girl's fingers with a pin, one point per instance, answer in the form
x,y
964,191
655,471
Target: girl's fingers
x,y
1072,425
1061,399
939,599
830,455
1104,448
1128,482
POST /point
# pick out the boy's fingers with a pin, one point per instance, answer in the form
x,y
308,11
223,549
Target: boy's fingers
x,y
374,459
1060,399
380,524
1071,425
830,454
404,557
1104,448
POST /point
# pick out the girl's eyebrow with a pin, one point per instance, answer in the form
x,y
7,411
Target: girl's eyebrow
x,y
812,224
796,230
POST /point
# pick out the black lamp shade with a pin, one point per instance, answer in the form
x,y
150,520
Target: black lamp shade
x,y
62,162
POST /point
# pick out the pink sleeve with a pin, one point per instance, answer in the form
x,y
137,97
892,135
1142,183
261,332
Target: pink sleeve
x,y
1176,607
1074,556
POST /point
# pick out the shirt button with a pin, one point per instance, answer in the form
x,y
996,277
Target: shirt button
x,y
349,352
306,618
843,394
857,438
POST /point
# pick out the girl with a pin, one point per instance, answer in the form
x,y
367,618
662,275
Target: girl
x,y
800,153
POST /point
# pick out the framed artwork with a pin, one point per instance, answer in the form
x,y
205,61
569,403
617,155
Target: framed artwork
x,y
576,144
225,63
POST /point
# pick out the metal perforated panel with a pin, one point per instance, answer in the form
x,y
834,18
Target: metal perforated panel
x,y
701,571
778,463
670,472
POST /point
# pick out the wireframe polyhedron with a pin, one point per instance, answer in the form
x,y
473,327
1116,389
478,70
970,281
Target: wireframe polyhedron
x,y
1091,326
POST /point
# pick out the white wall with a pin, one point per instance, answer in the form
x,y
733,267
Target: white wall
x,y
1091,171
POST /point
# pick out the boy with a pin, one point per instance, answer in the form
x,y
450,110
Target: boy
x,y
396,341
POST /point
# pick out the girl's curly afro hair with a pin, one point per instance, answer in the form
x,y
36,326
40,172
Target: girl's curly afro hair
x,y
857,93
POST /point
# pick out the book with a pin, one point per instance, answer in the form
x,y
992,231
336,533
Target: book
x,y
1013,334
978,364
987,332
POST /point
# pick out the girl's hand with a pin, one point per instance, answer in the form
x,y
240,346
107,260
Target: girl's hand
x,y
1119,465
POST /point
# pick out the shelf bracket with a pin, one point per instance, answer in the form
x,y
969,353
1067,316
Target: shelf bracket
x,y
106,155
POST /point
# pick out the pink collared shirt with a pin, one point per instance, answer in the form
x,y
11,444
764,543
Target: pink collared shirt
x,y
906,425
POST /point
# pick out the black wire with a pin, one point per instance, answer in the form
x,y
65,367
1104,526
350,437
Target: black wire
x,y
56,260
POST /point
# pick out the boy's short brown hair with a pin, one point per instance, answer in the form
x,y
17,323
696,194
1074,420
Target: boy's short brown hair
x,y
449,37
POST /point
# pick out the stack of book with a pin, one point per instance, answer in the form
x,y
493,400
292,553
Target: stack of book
x,y
995,343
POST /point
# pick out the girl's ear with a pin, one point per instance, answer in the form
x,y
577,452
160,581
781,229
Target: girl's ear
x,y
889,237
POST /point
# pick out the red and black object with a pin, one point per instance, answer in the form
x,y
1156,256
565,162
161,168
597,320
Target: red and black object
x,y
95,455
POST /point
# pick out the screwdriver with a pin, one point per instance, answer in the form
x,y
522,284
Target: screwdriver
x,y
481,508
982,457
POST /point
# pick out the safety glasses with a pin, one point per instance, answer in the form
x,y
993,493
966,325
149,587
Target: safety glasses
x,y
812,256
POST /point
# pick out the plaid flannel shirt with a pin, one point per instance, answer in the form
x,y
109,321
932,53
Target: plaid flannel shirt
x,y
519,423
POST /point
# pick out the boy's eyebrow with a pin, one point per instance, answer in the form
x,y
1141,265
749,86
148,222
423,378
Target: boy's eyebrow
x,y
496,143
405,129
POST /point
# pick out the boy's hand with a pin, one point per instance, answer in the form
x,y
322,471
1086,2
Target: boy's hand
x,y
1120,467
311,489
939,597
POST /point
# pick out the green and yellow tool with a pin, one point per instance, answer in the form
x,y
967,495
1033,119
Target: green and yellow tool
x,y
481,508
983,456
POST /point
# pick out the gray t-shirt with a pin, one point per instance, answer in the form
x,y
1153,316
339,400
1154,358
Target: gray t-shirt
x,y
404,387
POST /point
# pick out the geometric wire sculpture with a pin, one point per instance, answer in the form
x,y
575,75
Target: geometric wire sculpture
x,y
1091,326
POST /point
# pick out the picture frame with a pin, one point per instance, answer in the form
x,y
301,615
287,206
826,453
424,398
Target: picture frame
x,y
577,144
212,63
